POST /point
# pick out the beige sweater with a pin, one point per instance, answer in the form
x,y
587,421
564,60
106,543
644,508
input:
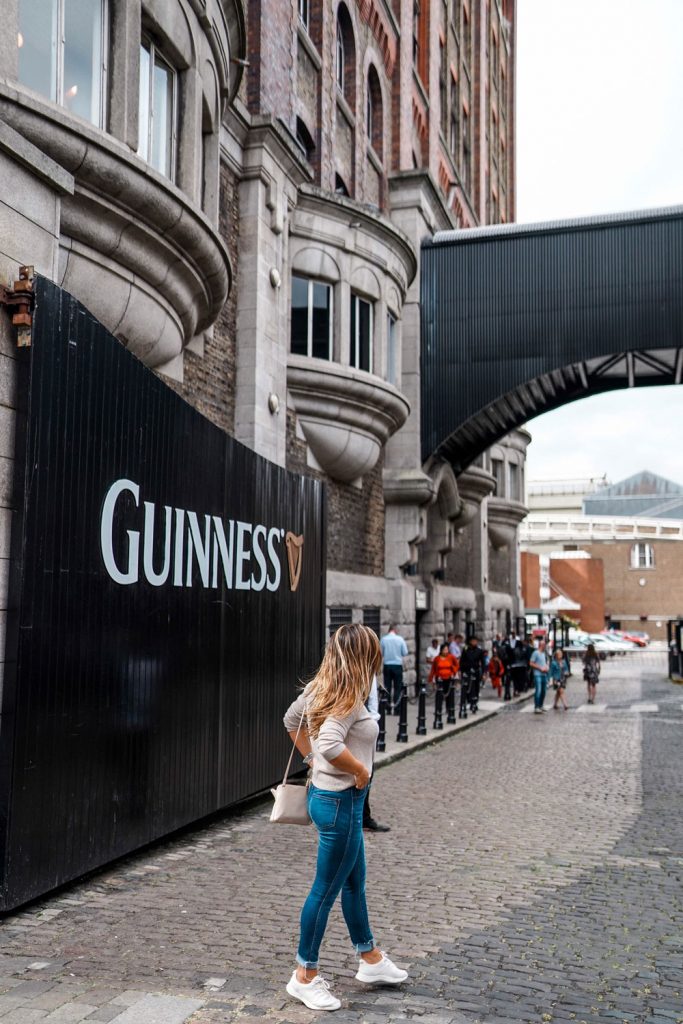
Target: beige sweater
x,y
358,732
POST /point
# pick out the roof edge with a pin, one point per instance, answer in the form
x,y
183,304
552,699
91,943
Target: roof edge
x,y
548,227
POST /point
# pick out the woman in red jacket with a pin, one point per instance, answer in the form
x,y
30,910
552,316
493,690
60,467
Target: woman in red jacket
x,y
444,666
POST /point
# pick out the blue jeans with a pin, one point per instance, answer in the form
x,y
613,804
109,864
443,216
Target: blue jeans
x,y
338,817
540,683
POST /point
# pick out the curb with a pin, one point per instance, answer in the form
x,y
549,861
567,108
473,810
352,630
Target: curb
x,y
441,737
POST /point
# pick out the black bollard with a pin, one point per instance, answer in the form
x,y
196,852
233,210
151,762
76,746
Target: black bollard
x,y
464,692
402,736
450,703
422,711
382,734
438,705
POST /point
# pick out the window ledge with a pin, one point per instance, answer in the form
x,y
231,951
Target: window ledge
x,y
345,109
308,46
374,159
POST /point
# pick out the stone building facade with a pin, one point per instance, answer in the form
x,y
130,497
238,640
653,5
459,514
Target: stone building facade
x,y
239,193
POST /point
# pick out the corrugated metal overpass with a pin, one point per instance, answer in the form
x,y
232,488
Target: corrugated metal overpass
x,y
521,319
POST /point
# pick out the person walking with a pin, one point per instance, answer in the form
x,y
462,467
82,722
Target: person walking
x,y
516,663
557,673
472,667
432,652
444,668
591,671
394,650
539,667
496,671
339,738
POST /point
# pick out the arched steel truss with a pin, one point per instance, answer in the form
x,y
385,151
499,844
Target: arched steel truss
x,y
521,319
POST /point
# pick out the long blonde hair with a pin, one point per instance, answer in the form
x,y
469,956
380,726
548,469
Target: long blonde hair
x,y
343,681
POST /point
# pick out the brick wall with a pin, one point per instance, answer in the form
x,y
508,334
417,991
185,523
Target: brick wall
x,y
355,517
271,61
583,580
658,599
209,379
530,572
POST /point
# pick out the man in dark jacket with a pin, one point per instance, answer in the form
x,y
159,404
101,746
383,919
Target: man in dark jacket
x,y
472,667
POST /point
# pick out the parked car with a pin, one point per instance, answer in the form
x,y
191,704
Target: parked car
x,y
639,639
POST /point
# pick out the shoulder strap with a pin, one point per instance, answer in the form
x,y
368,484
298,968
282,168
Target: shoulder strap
x,y
289,763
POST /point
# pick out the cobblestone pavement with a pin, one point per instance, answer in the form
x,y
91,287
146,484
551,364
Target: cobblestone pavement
x,y
533,873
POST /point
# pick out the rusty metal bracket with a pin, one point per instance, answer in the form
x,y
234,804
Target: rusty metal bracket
x,y
20,300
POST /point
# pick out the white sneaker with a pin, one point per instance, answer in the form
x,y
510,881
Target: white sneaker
x,y
382,973
315,994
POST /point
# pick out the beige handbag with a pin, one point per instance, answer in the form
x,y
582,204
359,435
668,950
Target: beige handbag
x,y
291,802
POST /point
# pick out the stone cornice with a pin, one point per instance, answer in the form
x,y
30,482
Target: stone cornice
x,y
343,210
403,185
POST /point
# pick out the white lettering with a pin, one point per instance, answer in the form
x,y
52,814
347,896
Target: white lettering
x,y
259,555
220,545
157,579
273,536
248,555
179,540
202,549
106,534
242,555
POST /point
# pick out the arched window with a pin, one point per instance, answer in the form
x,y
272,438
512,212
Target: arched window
x,y
642,556
340,186
340,59
305,139
345,57
373,118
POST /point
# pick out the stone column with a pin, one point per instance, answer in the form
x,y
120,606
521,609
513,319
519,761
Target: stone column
x,y
124,71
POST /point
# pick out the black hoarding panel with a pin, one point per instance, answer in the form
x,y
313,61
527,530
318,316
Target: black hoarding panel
x,y
168,587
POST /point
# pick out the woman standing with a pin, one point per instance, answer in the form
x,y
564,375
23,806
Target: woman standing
x,y
591,671
559,670
444,666
339,739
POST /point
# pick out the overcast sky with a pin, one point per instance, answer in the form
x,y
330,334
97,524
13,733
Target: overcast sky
x,y
599,129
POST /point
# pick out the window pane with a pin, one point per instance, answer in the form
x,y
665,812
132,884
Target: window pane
x,y
354,341
162,118
391,350
364,335
83,58
299,335
321,321
144,111
37,44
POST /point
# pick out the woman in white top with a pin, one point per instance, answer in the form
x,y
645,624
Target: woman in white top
x,y
338,737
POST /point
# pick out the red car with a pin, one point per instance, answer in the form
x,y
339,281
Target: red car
x,y
639,639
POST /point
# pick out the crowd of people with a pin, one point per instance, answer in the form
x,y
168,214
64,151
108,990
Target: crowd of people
x,y
513,666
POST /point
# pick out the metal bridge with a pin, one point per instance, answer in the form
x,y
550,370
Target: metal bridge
x,y
556,528
519,319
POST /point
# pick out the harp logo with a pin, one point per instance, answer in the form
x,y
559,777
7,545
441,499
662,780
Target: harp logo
x,y
295,555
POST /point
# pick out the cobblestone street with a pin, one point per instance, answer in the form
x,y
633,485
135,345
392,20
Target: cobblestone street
x,y
533,873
